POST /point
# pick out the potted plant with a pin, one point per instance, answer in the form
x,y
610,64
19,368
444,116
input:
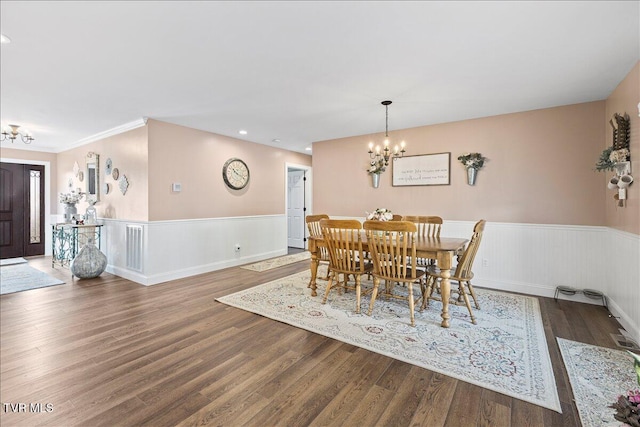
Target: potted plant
x,y
376,167
472,162
628,406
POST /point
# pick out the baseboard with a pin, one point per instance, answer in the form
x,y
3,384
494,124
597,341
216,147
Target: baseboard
x,y
192,271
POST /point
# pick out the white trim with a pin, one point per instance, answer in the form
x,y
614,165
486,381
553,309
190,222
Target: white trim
x,y
107,133
308,189
182,248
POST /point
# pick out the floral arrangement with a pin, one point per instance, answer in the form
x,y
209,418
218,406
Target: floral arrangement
x,y
610,157
376,166
70,198
380,214
472,160
628,407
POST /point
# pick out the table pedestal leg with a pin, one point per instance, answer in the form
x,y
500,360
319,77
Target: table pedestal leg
x,y
444,262
314,267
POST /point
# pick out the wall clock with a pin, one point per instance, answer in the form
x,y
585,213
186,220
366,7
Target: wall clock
x,y
235,173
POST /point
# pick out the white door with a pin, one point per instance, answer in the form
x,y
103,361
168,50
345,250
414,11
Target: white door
x,y
295,209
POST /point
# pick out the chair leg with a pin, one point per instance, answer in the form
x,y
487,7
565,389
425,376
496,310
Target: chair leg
x,y
473,294
374,294
428,290
411,304
464,295
357,277
329,285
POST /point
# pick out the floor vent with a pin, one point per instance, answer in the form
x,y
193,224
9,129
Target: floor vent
x,y
134,247
624,342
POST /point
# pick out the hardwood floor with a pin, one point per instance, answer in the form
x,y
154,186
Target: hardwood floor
x,y
110,352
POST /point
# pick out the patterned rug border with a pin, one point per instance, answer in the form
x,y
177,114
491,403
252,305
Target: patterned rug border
x,y
548,398
595,389
271,263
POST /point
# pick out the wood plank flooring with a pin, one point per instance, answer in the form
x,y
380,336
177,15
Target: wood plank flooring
x,y
110,352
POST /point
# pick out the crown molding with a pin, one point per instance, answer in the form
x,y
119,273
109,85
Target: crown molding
x,y
107,133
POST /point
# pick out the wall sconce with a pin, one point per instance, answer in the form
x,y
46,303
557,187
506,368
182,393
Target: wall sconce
x,y
13,133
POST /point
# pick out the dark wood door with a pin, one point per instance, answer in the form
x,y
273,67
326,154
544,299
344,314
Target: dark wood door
x,y
21,210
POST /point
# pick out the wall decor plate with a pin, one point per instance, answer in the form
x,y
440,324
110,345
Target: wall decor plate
x,y
123,183
107,167
106,188
115,174
76,168
81,176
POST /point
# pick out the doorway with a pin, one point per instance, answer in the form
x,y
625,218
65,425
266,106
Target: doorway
x,y
22,210
298,201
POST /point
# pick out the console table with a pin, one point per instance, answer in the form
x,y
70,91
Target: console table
x,y
68,239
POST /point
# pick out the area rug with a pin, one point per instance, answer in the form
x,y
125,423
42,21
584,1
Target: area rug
x,y
268,264
505,352
11,261
22,277
598,375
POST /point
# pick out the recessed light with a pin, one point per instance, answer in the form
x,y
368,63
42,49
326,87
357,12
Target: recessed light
x,y
242,132
275,140
308,148
4,39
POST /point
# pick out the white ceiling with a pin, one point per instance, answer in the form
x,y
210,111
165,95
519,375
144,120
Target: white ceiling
x,y
302,71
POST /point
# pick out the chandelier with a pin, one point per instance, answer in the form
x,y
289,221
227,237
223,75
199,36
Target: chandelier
x,y
384,154
13,134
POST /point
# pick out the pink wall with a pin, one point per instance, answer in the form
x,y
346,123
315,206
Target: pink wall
x,y
195,159
540,169
624,99
128,152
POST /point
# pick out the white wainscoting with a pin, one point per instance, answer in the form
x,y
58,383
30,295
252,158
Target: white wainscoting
x,y
535,258
527,258
183,248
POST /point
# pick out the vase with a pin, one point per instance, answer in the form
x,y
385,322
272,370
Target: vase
x,y
90,216
471,176
375,177
70,211
89,263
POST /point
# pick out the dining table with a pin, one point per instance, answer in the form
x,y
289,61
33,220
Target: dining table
x,y
441,249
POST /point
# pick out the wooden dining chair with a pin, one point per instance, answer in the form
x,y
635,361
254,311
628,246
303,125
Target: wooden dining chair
x,y
392,248
396,217
462,275
313,225
428,226
344,243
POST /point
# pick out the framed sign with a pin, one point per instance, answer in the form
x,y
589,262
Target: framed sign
x,y
425,169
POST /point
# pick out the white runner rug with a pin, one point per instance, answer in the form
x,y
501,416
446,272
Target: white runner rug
x,y
12,261
21,277
598,375
505,352
278,262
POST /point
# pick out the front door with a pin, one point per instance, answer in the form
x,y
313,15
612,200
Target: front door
x,y
21,210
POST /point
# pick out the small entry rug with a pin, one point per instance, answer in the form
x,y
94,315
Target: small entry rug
x,y
22,277
278,262
598,375
11,261
505,352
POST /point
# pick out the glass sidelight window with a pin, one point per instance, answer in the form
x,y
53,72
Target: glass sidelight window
x,y
34,206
